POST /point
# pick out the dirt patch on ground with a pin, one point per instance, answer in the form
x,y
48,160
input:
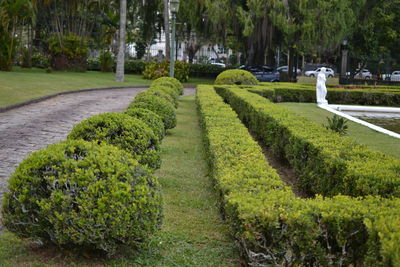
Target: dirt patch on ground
x,y
286,173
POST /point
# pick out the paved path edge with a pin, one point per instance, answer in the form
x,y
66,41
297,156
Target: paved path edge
x,y
42,98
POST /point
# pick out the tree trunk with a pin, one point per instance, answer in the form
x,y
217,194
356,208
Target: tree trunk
x,y
191,50
167,31
121,51
292,65
258,42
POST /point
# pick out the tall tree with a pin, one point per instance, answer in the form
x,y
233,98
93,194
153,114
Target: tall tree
x,y
377,33
193,27
119,77
13,14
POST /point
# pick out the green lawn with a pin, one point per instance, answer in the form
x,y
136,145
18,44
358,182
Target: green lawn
x,y
362,134
193,232
313,80
25,84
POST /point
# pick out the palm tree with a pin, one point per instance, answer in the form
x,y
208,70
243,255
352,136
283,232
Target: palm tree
x,y
121,50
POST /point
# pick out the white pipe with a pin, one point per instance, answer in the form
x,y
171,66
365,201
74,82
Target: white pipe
x,y
365,108
351,118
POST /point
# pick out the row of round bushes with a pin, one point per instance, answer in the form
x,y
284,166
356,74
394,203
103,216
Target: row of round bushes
x,y
97,190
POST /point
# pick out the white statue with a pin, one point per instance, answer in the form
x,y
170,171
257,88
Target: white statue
x,y
321,88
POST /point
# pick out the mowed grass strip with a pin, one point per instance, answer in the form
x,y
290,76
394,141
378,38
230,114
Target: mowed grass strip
x,y
361,134
25,84
193,233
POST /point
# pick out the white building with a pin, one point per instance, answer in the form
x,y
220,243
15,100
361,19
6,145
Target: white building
x,y
206,54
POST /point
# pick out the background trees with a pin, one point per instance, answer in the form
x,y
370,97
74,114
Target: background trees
x,y
68,29
14,14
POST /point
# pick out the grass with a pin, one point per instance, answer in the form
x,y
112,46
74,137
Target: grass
x,y
362,134
25,84
313,80
193,233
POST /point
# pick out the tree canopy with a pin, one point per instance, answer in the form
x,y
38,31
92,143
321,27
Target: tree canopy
x,y
255,28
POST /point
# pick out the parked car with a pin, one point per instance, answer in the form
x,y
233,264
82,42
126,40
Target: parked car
x,y
363,74
313,73
395,77
222,65
285,69
263,73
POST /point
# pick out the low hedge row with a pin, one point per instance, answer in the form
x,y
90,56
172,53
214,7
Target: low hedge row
x,y
158,105
169,82
205,70
150,118
138,66
94,195
287,92
163,92
272,225
131,66
325,162
123,131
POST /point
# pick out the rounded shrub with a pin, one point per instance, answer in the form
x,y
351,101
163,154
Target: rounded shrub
x,y
169,90
122,131
169,82
160,92
160,106
78,194
237,77
150,118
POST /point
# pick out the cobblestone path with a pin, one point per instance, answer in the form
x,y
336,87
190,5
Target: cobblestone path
x,y
32,127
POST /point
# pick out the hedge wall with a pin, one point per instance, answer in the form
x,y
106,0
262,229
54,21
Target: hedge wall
x,y
324,162
289,92
272,225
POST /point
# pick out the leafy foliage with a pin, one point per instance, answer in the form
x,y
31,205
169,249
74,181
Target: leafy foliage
x,y
160,106
160,93
324,162
150,118
168,82
122,131
272,225
337,124
238,77
77,194
13,13
157,70
68,52
106,62
205,70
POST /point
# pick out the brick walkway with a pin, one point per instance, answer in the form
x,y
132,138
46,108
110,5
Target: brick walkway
x,y
30,128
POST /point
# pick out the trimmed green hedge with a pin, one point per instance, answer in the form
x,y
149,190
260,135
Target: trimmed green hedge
x,y
77,194
169,82
124,132
150,118
324,162
131,66
238,77
205,70
162,92
272,225
158,105
289,92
